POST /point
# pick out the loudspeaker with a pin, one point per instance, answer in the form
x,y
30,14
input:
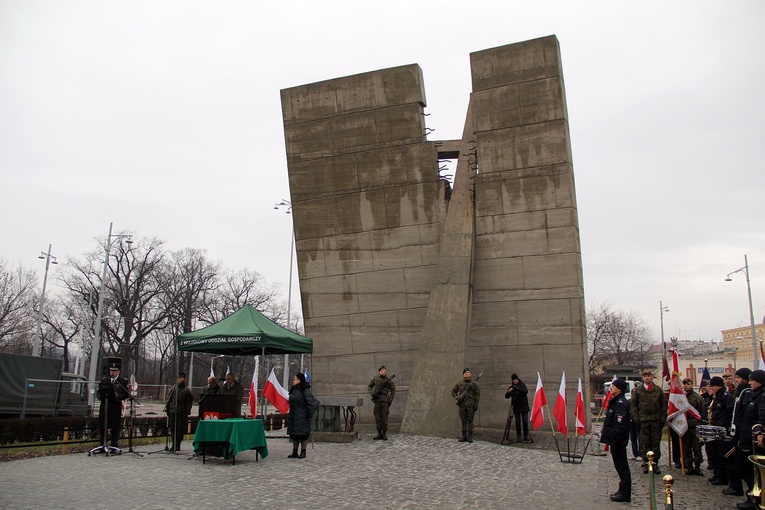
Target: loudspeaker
x,y
107,362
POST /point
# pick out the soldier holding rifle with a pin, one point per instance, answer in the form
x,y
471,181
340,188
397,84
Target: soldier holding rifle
x,y
383,390
467,394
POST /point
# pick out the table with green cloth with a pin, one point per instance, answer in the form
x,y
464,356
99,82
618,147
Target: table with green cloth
x,y
232,435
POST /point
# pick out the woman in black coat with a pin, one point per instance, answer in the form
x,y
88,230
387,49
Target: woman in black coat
x,y
519,394
302,406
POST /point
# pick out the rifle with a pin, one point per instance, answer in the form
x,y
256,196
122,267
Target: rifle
x,y
378,393
461,398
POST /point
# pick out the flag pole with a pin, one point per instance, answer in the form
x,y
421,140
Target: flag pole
x,y
549,416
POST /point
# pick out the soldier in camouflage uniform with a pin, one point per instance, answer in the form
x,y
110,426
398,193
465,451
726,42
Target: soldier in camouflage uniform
x,y
467,394
383,390
691,445
649,410
178,409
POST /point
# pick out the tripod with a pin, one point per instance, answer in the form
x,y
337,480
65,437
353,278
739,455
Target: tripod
x,y
508,424
106,391
130,428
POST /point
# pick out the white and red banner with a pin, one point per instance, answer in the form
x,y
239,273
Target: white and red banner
x,y
559,411
579,415
253,400
678,406
537,410
274,393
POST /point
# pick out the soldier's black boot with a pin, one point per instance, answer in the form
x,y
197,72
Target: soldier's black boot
x,y
302,454
294,454
384,435
470,437
464,437
379,435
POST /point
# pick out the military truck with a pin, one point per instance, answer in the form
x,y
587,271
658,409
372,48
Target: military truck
x,y
32,386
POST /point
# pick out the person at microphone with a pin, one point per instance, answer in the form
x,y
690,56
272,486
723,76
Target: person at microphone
x,y
112,390
178,409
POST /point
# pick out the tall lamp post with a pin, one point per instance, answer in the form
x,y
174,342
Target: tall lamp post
x,y
49,259
662,309
745,270
95,345
285,376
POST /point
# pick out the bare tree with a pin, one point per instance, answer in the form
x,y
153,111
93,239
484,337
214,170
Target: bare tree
x,y
615,337
17,322
136,279
63,323
245,287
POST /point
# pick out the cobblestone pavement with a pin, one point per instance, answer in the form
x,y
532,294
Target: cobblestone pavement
x,y
406,472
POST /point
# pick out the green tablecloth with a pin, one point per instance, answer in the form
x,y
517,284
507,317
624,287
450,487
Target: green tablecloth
x,y
237,435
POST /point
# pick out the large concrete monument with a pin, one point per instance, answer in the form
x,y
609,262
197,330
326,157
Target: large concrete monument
x,y
398,269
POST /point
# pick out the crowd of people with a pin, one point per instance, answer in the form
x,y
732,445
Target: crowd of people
x,y
722,414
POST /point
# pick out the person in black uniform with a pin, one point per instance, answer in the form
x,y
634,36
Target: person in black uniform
x,y
616,434
721,415
112,390
750,408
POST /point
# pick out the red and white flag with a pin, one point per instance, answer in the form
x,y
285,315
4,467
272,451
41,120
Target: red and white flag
x,y
253,400
678,406
559,411
581,428
607,397
675,360
212,374
537,411
274,393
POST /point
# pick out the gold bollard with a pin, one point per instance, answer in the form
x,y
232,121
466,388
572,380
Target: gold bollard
x,y
64,448
668,481
651,483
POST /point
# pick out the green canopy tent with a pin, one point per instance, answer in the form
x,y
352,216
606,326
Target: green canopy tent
x,y
246,332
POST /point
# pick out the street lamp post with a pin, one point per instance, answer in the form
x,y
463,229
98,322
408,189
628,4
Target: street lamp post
x,y
662,309
95,345
285,376
745,270
49,259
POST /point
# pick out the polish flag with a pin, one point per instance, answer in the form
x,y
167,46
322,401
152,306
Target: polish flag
x,y
537,411
559,411
253,400
274,393
678,406
607,397
212,374
581,428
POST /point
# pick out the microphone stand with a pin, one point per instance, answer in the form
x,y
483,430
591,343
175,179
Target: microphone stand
x,y
130,419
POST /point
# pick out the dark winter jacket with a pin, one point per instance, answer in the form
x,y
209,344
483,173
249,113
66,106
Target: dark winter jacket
x,y
302,407
751,405
616,426
519,396
721,408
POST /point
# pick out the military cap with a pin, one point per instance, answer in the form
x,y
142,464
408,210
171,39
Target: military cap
x,y
182,374
717,381
466,370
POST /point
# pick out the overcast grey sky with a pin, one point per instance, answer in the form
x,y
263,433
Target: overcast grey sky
x,y
164,117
